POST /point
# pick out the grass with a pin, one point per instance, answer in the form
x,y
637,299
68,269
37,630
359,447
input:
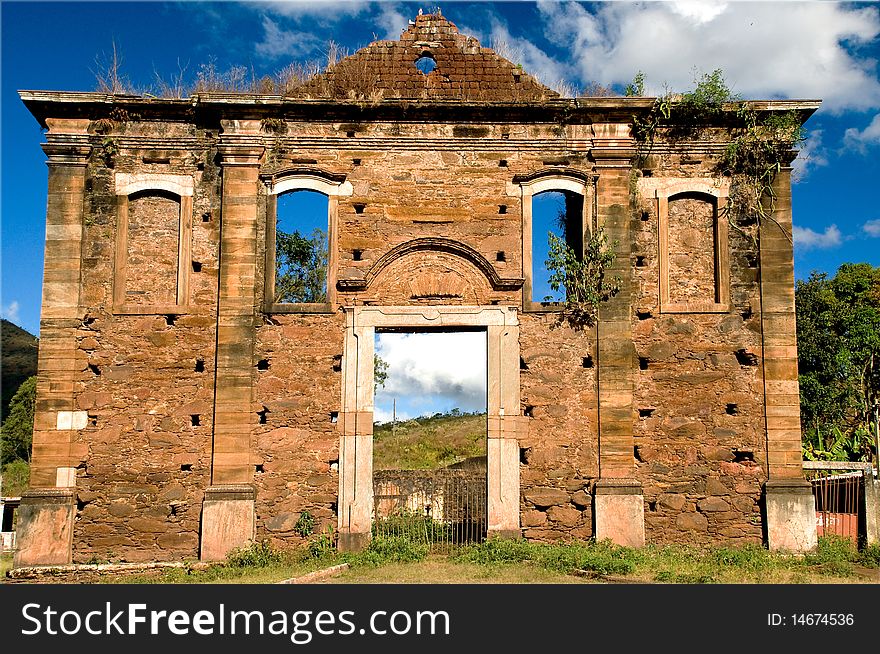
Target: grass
x,y
395,559
428,442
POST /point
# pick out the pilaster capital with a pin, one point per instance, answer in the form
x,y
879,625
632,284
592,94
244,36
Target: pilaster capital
x,y
240,152
613,157
67,152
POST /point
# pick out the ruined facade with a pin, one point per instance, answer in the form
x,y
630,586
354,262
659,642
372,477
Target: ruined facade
x,y
182,411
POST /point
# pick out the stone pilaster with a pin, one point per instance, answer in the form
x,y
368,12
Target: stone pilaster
x,y
45,525
617,504
791,522
225,521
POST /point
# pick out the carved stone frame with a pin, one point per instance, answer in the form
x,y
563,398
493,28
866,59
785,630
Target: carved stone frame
x,y
179,185
505,425
573,181
331,185
662,190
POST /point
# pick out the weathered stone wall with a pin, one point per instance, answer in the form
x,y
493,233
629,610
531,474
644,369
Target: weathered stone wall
x,y
146,380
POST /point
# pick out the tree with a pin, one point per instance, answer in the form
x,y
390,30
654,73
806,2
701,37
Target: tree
x,y
380,372
300,267
18,429
838,331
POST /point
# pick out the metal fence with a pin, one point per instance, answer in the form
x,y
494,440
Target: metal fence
x,y
839,492
439,507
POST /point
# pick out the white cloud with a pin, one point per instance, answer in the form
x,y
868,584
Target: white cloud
x,y
10,312
872,227
278,42
807,239
811,155
766,50
392,21
535,61
860,140
326,11
447,367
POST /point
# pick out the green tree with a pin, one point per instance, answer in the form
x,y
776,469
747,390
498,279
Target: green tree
x,y
300,267
838,330
18,428
380,371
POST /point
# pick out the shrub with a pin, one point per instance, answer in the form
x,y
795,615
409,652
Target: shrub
x,y
255,555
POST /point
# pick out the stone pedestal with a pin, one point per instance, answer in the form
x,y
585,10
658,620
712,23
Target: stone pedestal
x,y
619,512
227,520
791,515
45,527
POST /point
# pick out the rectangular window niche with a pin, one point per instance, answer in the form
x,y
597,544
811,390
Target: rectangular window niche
x,y
693,248
153,254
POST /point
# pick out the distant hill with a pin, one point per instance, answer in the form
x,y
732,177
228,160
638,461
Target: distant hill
x,y
429,442
19,352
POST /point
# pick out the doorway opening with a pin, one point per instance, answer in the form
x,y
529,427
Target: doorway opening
x,y
430,435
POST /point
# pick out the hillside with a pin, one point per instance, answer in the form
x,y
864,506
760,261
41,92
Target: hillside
x,y
428,442
19,352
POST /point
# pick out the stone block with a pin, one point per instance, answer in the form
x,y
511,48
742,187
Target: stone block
x,y
227,520
791,515
45,528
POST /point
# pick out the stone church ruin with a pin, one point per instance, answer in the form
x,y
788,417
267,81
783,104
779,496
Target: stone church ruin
x,y
184,408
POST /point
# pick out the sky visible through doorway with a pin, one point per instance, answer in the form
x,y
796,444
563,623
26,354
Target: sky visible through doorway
x,y
430,373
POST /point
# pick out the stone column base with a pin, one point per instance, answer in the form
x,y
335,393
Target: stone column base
x,y
619,512
227,520
791,515
45,527
352,541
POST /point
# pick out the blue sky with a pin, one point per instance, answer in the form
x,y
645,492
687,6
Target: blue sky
x,y
821,50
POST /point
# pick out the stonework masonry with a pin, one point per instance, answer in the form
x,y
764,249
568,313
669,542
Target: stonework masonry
x,y
181,413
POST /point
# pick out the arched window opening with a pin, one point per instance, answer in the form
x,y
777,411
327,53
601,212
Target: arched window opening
x,y
557,221
301,248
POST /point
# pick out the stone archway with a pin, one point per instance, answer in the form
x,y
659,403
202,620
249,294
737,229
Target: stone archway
x,y
505,424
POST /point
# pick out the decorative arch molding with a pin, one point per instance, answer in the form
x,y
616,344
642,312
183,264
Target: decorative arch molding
x,y
307,179
569,180
130,183
433,244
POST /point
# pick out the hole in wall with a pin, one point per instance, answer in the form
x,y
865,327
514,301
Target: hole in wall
x,y
502,163
752,260
652,506
186,467
200,365
646,216
500,256
505,135
337,363
258,468
522,364
731,409
643,315
262,414
359,208
170,319
426,63
743,456
263,364
95,369
747,313
195,420
517,77
334,416
643,363
529,411
525,453
206,217
334,464
356,162
350,134
502,208
357,255
637,455
746,358
197,266
93,420
646,412
640,261
587,361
